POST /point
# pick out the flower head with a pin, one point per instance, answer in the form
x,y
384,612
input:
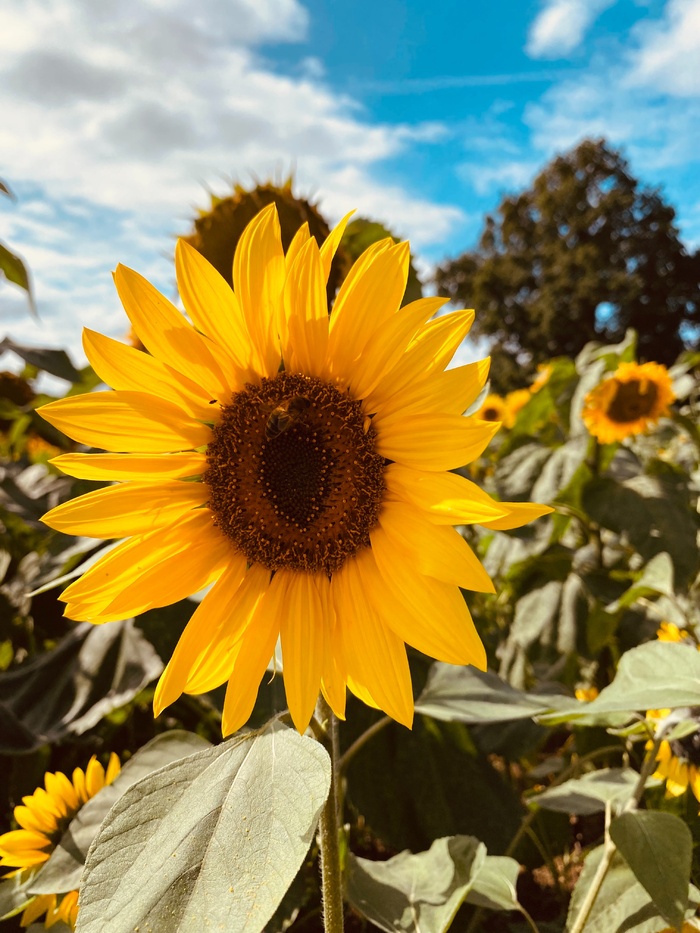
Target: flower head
x,y
496,409
298,462
678,760
628,402
43,818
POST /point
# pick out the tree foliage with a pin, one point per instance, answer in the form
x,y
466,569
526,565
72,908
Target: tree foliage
x,y
584,254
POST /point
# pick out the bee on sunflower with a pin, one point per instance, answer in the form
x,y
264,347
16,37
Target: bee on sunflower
x,y
298,463
628,402
43,817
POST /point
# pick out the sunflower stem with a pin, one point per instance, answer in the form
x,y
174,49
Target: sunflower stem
x,y
609,847
329,830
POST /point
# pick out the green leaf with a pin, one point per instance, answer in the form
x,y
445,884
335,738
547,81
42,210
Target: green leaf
x,y
55,362
622,904
464,694
559,469
495,884
212,841
655,580
658,847
590,793
416,893
65,866
93,670
656,675
13,268
516,473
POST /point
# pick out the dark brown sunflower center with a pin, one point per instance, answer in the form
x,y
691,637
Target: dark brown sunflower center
x,y
632,400
688,748
491,414
294,476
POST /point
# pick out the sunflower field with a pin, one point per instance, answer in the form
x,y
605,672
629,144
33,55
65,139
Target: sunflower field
x,y
302,628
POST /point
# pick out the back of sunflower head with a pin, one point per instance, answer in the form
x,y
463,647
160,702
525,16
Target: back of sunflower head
x,y
218,228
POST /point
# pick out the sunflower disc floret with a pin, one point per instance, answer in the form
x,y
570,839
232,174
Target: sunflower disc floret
x,y
295,462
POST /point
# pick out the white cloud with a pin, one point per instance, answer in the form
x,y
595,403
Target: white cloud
x,y
152,104
561,26
667,58
509,175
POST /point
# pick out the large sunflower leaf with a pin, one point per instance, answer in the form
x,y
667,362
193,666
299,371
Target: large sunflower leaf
x,y
63,870
464,694
93,670
591,792
622,903
420,892
14,894
656,675
212,841
55,362
658,847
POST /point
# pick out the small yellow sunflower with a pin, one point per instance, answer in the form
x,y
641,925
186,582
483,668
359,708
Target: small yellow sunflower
x,y
679,759
669,631
628,402
496,409
43,818
298,462
586,694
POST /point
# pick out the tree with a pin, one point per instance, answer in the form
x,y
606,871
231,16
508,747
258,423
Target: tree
x,y
582,255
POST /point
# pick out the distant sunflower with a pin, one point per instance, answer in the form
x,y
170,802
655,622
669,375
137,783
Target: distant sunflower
x,y
517,400
43,818
628,402
496,409
544,371
678,760
299,462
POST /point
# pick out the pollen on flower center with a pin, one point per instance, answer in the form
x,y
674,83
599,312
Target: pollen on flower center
x,y
633,400
294,476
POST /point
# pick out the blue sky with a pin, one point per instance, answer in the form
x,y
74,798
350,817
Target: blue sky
x,y
117,115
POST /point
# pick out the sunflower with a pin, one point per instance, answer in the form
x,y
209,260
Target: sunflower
x,y
496,409
628,402
298,462
678,760
544,372
669,631
517,400
43,818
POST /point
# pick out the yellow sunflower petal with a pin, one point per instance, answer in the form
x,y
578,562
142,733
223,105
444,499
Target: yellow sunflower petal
x,y
255,651
450,392
126,422
39,906
375,655
519,513
63,787
446,498
213,307
18,841
199,639
168,336
435,550
332,242
434,442
132,466
427,613
302,633
306,312
113,768
35,820
388,344
127,369
127,509
429,352
80,785
367,299
258,280
68,907
94,777
153,570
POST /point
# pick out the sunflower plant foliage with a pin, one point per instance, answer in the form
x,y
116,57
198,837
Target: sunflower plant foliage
x,y
261,508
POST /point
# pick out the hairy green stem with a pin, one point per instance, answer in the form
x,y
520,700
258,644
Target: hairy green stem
x,y
329,830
